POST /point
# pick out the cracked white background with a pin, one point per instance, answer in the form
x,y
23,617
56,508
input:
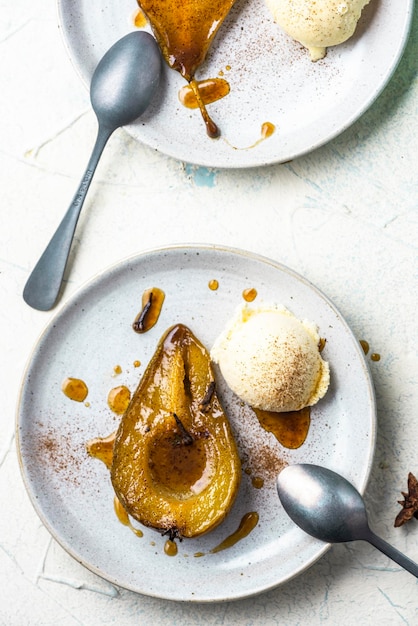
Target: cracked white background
x,y
345,216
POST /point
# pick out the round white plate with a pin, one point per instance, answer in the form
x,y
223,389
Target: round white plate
x,y
271,77
92,334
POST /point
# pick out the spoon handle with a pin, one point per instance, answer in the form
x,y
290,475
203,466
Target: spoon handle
x,y
43,285
392,553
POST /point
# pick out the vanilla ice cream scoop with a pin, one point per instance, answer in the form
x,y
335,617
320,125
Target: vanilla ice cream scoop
x,y
271,360
317,24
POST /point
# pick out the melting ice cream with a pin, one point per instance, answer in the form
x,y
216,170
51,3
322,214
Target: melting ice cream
x,y
271,360
317,24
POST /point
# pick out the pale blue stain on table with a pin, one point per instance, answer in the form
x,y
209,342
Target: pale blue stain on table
x,y
201,176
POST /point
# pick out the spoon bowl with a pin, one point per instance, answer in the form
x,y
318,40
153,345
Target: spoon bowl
x,y
328,507
121,89
126,79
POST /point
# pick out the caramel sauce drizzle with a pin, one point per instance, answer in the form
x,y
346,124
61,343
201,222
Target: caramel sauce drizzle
x,y
250,294
152,303
139,19
246,525
75,389
290,428
210,90
101,448
257,482
365,345
123,517
213,284
170,548
375,356
267,130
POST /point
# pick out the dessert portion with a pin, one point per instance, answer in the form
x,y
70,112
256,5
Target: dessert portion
x,y
175,463
317,24
271,360
185,31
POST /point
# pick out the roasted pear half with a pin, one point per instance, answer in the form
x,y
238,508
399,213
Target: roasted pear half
x,y
175,462
185,30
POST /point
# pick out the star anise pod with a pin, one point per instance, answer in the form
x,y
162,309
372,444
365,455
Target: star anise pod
x,y
410,502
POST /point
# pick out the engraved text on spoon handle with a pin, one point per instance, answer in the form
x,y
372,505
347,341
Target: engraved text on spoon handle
x,y
43,286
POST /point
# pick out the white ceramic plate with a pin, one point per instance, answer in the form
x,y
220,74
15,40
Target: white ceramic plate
x,y
271,79
92,334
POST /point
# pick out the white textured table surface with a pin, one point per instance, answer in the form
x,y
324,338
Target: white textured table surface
x,y
345,216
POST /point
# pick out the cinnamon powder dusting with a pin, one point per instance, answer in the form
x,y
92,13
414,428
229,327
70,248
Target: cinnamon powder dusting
x,y
58,453
264,463
262,459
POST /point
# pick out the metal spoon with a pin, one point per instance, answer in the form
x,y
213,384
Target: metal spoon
x,y
328,507
122,87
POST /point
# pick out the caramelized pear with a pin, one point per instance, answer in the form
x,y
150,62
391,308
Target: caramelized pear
x,y
175,462
185,31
